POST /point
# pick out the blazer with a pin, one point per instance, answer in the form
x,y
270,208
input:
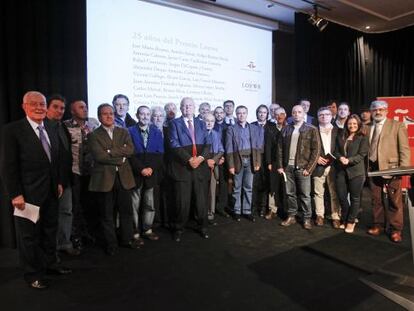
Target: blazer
x,y
232,140
393,147
25,167
357,150
109,155
149,156
320,169
308,147
180,145
65,150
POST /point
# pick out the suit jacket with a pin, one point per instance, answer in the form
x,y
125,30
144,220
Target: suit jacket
x,y
110,155
65,150
232,148
320,169
149,156
25,167
180,144
356,151
393,147
128,122
307,151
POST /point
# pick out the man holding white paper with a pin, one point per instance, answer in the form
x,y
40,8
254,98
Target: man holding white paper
x,y
30,171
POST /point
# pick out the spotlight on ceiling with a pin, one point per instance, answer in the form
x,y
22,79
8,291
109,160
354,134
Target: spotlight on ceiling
x,y
316,20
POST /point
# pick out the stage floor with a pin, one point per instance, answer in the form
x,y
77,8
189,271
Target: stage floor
x,y
243,266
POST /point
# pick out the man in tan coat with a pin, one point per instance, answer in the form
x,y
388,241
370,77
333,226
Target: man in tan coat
x,y
389,148
112,178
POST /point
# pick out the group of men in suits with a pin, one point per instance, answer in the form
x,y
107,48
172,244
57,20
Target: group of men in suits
x,y
255,167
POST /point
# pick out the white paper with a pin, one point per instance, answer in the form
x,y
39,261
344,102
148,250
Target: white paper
x,y
284,176
30,212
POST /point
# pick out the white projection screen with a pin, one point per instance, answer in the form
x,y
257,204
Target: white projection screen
x,y
156,54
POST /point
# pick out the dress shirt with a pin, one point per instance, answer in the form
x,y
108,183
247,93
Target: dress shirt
x,y
379,126
326,135
244,137
109,130
35,128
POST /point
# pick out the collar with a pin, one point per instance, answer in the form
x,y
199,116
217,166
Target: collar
x,y
34,124
380,123
109,129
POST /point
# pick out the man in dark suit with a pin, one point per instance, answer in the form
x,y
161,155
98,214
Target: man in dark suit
x,y
273,128
30,171
56,105
121,106
261,177
228,106
190,149
147,167
324,173
112,177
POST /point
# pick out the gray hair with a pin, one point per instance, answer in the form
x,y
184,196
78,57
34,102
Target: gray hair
x,y
378,104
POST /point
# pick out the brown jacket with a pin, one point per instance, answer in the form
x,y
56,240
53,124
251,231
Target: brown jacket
x,y
110,154
308,148
393,147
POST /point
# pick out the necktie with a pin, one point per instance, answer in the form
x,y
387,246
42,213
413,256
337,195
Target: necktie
x,y
191,129
44,141
144,134
373,148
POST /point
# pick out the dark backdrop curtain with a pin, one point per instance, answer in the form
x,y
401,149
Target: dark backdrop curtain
x,y
344,64
42,47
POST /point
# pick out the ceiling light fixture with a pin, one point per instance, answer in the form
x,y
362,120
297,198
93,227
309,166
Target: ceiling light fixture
x,y
316,20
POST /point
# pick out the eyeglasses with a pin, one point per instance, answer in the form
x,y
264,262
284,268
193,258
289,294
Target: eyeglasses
x,y
324,114
36,105
378,110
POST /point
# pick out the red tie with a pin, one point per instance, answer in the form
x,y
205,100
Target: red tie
x,y
191,129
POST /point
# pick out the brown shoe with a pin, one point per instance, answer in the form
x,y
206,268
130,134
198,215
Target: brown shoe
x,y
289,221
307,224
319,221
375,231
336,223
396,237
270,215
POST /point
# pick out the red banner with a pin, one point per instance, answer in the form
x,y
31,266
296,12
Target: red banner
x,y
402,109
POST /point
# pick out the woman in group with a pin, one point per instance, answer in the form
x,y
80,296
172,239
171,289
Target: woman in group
x,y
351,149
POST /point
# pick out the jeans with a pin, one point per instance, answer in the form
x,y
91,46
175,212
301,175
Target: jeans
x,y
64,230
298,187
243,180
148,210
354,187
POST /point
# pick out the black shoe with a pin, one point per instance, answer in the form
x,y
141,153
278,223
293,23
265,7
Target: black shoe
x,y
177,236
251,218
71,251
133,244
204,234
236,217
77,243
223,214
38,284
58,270
110,250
